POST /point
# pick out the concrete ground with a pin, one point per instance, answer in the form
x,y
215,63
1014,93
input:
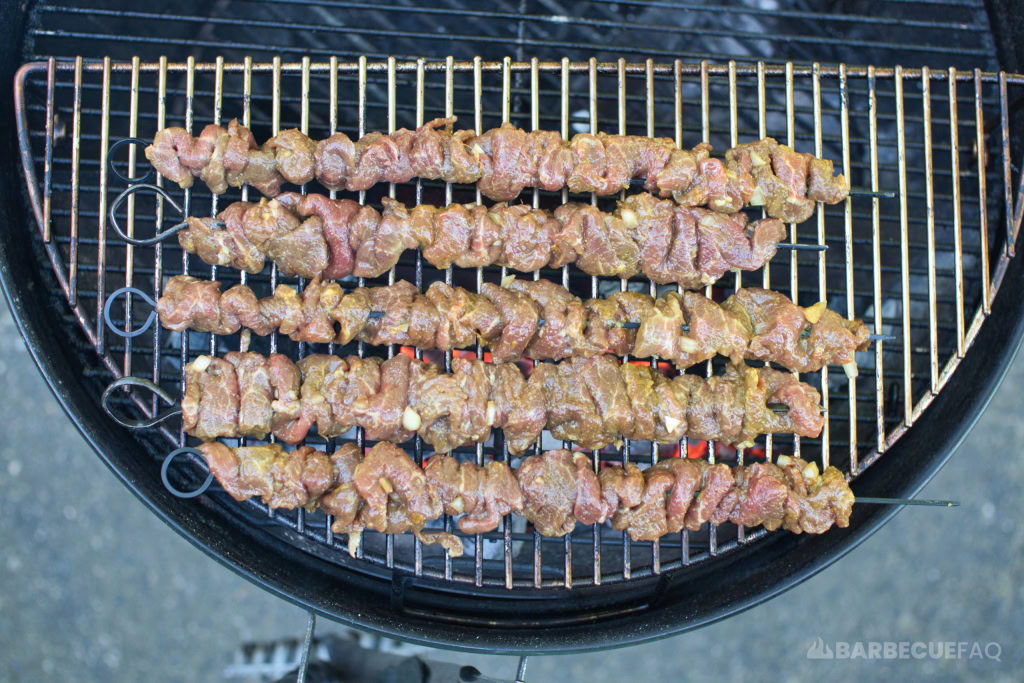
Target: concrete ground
x,y
94,588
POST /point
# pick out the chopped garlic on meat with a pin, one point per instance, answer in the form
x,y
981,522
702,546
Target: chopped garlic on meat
x,y
813,313
810,471
411,419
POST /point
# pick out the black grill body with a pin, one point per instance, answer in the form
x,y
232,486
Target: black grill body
x,y
289,559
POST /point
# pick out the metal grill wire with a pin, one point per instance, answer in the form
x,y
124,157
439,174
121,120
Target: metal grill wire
x,y
910,33
922,267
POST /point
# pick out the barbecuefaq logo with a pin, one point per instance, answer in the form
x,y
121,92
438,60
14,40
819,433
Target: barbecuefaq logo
x,y
892,649
819,650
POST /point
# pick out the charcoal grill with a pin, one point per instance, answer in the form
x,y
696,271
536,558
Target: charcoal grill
x,y
934,266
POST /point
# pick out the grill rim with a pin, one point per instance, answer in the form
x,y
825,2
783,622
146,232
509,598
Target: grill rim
x,y
368,603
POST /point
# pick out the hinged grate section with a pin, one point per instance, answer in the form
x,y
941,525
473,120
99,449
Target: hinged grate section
x,y
922,267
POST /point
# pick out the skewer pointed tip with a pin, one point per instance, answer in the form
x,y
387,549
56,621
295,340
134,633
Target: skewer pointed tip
x,y
908,501
802,247
857,192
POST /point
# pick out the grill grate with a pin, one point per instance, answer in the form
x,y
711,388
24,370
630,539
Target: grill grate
x,y
923,267
912,33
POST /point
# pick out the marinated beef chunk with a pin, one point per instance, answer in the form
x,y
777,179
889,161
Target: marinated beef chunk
x,y
166,152
342,499
255,413
622,488
324,380
209,408
386,474
191,303
564,331
519,317
293,153
516,405
288,424
647,521
571,412
280,478
549,487
457,483
483,495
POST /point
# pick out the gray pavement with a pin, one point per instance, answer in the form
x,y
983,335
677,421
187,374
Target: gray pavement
x,y
94,588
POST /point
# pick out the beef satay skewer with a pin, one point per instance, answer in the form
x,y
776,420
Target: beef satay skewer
x,y
385,490
504,161
310,235
175,410
371,315
509,320
269,183
592,401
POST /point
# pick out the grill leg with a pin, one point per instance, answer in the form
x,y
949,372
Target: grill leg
x,y
306,644
521,670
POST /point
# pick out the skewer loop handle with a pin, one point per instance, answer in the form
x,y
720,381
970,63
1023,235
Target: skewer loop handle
x,y
130,332
173,489
146,384
113,169
160,236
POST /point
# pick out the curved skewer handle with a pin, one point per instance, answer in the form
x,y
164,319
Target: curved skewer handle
x,y
160,236
129,332
171,487
146,384
113,168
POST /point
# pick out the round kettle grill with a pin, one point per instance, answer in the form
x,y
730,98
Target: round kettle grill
x,y
924,254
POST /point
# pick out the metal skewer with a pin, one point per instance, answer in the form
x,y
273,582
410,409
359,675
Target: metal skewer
x,y
146,384
857,192
908,501
160,236
801,247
